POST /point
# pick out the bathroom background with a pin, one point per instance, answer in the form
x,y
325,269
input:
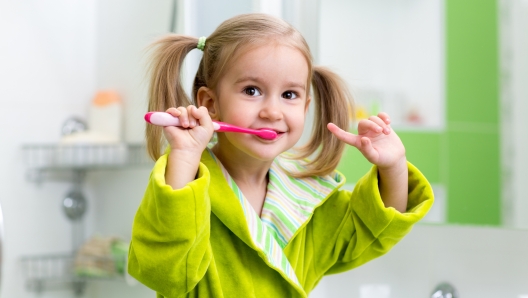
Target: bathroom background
x,y
451,73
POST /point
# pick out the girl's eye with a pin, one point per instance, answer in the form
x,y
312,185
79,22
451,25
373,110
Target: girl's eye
x,y
289,95
252,91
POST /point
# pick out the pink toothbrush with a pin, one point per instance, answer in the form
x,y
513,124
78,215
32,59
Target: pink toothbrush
x,y
166,119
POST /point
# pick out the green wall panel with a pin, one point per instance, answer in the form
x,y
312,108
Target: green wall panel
x,y
472,60
472,101
353,165
422,149
473,178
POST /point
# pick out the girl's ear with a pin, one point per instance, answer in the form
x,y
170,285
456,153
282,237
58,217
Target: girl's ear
x,y
308,100
206,97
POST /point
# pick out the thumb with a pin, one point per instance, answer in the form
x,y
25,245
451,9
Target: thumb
x,y
368,150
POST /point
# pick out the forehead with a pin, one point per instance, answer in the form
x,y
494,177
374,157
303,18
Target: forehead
x,y
272,60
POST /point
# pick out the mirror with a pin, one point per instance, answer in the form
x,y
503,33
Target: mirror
x,y
469,141
452,81
393,58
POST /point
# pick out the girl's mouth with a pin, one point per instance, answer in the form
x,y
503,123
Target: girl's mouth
x,y
277,132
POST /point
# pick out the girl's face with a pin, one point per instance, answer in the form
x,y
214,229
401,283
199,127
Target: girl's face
x,y
264,87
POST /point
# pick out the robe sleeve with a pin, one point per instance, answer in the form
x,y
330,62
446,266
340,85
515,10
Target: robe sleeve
x,y
366,229
170,249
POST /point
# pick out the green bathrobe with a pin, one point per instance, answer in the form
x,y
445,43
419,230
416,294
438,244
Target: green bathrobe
x,y
205,240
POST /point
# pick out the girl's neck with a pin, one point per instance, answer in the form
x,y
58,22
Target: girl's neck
x,y
244,169
250,174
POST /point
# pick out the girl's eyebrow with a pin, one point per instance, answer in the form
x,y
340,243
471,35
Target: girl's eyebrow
x,y
248,78
259,80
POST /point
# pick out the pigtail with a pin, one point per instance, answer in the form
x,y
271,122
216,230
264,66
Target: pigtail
x,y
333,103
166,88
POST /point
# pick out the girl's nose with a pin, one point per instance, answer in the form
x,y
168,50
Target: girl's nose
x,y
271,110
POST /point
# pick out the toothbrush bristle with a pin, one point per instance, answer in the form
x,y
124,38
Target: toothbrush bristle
x,y
267,134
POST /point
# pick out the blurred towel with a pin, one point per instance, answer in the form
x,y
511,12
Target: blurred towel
x,y
101,257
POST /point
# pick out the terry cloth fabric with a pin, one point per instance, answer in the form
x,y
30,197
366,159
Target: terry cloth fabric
x,y
288,204
205,240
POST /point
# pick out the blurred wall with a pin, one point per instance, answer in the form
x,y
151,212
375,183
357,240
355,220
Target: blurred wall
x,y
514,104
124,29
492,264
47,74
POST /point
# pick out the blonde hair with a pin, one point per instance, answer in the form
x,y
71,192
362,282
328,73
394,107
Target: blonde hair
x,y
330,93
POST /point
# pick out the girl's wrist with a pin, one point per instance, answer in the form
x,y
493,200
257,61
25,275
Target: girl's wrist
x,y
181,168
185,155
393,185
395,170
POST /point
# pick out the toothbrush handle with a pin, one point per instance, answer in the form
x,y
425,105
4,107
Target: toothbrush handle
x,y
166,119
162,119
224,127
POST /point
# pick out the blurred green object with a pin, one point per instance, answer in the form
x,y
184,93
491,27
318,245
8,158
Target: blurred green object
x,y
102,257
119,251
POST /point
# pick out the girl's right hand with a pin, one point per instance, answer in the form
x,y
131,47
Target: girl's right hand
x,y
195,132
187,143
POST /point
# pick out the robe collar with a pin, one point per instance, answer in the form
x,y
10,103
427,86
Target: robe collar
x,y
289,204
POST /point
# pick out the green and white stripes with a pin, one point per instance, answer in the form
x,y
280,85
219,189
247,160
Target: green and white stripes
x,y
291,201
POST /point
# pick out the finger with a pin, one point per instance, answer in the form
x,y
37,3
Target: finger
x,y
385,117
366,125
202,115
344,136
192,120
381,123
173,111
184,117
368,151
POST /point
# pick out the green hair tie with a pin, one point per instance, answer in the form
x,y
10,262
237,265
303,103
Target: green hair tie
x,y
201,43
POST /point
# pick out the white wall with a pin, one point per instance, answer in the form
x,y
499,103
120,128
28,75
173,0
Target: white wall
x,y
55,55
47,73
520,109
391,53
124,29
478,261
514,106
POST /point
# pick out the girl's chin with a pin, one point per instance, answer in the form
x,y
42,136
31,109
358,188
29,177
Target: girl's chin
x,y
266,154
260,150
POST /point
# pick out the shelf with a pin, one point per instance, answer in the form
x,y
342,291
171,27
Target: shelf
x,y
57,156
99,258
51,272
41,158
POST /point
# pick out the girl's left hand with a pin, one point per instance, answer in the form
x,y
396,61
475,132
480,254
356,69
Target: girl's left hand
x,y
375,140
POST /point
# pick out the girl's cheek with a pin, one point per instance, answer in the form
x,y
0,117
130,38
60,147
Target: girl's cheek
x,y
239,118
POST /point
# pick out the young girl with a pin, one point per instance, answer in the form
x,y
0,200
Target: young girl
x,y
240,218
